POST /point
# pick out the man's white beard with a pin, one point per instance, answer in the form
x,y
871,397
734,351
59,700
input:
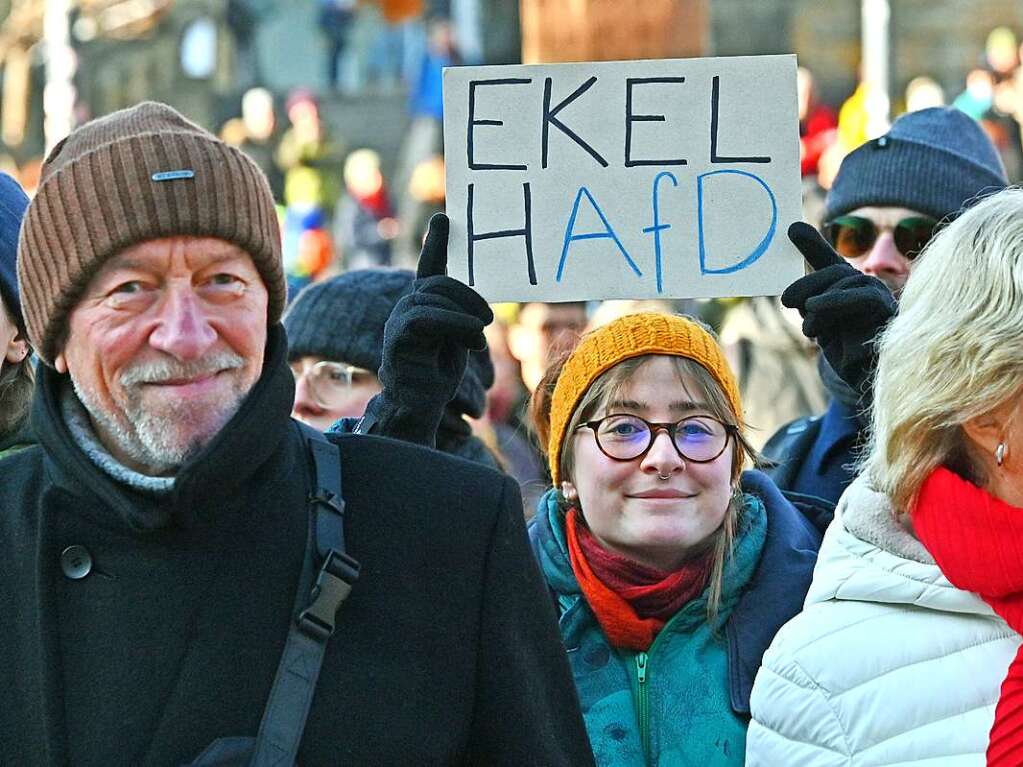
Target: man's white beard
x,y
163,441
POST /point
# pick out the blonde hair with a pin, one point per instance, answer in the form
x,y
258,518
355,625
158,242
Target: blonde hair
x,y
954,352
607,386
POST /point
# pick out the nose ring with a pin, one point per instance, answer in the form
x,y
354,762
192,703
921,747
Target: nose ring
x,y
663,478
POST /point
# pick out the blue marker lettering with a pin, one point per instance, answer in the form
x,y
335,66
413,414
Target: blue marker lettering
x,y
658,227
761,247
608,233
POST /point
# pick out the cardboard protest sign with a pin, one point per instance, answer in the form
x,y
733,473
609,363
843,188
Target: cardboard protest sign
x,y
635,179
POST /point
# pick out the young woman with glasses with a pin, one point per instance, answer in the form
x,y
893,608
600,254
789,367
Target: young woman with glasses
x,y
671,568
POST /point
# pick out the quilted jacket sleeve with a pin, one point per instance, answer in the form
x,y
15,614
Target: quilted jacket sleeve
x,y
793,722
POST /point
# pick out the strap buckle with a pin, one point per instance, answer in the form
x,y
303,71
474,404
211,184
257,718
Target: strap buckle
x,y
333,585
325,497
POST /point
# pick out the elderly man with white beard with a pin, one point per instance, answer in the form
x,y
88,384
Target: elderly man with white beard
x,y
181,565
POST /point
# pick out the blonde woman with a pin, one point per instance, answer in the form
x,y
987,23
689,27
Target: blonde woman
x,y
670,566
906,650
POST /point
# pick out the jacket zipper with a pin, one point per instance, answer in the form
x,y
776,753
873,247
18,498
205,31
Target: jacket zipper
x,y
642,704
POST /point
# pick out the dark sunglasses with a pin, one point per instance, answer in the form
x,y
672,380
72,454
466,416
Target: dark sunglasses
x,y
854,236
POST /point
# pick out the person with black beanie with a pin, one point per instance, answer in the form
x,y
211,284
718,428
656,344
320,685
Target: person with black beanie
x,y
336,347
889,197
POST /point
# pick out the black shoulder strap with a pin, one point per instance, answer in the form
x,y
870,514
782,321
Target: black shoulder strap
x,y
317,604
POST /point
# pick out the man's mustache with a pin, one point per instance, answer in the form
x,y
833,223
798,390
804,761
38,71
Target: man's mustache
x,y
158,371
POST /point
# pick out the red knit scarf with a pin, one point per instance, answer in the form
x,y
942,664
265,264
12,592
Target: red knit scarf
x,y
977,541
632,601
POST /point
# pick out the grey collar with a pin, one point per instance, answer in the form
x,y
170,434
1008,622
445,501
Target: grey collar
x,y
869,516
78,423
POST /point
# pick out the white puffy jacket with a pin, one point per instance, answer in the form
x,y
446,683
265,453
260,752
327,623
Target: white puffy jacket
x,y
888,664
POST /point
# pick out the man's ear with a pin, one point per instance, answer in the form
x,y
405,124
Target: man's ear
x,y
60,363
986,431
17,349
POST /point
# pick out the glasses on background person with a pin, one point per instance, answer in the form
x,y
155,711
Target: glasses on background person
x,y
622,437
854,236
331,383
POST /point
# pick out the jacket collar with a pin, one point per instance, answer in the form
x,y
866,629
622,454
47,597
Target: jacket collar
x,y
775,592
870,556
839,429
219,472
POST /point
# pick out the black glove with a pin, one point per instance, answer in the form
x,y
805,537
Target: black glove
x,y
427,340
842,308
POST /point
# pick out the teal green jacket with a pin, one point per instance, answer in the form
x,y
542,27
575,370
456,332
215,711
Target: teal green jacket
x,y
676,704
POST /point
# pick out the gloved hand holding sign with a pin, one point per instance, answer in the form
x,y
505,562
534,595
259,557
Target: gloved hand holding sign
x,y
842,308
427,340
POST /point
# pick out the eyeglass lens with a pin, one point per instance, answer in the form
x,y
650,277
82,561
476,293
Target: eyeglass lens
x,y
854,236
625,437
331,382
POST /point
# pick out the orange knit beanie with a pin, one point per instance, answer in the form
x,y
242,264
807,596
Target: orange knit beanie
x,y
632,336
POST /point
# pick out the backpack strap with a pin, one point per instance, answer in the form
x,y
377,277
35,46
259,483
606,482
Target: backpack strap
x,y
317,605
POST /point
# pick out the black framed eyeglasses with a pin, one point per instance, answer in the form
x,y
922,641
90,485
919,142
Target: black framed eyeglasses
x,y
854,236
624,437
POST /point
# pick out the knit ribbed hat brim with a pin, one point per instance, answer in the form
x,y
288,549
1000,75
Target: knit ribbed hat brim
x,y
908,175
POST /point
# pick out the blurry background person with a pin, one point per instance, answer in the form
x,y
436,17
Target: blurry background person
x,y
924,92
365,224
311,162
541,333
884,206
914,613
335,348
424,137
651,537
335,20
817,123
16,376
260,143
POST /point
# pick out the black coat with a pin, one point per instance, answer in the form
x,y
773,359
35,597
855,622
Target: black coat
x,y
447,650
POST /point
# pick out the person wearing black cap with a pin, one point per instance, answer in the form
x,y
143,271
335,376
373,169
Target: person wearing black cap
x,y
887,200
15,354
335,348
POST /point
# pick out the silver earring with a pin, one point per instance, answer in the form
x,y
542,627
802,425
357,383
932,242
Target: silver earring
x,y
1000,453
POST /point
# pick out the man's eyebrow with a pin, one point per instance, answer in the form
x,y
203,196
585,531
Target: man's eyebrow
x,y
123,262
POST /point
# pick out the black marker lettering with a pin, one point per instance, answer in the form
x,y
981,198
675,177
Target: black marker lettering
x,y
550,118
473,165
526,232
630,118
714,157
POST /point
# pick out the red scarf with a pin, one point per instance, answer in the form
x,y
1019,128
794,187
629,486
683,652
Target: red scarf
x,y
976,541
632,601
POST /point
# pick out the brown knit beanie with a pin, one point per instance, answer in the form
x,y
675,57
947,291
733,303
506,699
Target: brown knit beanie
x,y
139,174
